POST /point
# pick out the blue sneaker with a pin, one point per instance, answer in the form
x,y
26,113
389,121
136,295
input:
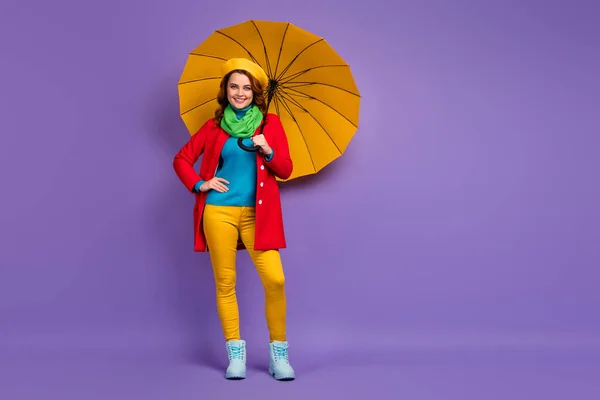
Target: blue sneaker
x,y
236,349
279,364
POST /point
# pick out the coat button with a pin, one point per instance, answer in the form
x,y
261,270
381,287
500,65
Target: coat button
x,y
262,167
262,184
260,202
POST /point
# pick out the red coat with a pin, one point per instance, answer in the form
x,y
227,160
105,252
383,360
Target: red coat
x,y
209,141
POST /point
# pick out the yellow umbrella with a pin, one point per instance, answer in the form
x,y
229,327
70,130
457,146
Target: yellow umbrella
x,y
311,88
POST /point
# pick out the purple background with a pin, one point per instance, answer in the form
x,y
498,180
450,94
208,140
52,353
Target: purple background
x,y
452,252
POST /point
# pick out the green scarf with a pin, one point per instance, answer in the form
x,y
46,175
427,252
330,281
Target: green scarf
x,y
243,127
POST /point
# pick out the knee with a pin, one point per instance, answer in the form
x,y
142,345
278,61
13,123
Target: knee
x,y
225,286
275,282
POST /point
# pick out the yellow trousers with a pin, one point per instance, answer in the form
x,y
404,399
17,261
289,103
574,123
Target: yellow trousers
x,y
223,225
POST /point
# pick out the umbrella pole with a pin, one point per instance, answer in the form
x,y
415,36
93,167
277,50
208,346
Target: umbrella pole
x,y
270,95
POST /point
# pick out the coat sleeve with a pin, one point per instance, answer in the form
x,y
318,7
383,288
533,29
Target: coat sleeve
x,y
184,160
281,164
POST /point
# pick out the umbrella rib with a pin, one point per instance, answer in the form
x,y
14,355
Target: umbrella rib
x,y
306,96
275,100
299,73
199,105
295,58
198,80
269,72
208,56
276,106
301,84
281,49
287,108
293,101
241,45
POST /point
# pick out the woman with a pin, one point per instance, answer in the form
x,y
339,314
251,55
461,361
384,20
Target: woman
x,y
237,197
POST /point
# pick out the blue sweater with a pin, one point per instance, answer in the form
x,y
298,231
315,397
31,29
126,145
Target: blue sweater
x,y
238,167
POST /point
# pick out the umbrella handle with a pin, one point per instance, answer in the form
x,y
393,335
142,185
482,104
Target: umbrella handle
x,y
244,147
262,129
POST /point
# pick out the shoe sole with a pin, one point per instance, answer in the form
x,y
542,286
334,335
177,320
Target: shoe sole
x,y
282,378
236,377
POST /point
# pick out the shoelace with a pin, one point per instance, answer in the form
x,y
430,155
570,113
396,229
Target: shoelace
x,y
236,352
280,353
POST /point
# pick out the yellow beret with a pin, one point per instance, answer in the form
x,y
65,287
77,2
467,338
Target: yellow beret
x,y
246,65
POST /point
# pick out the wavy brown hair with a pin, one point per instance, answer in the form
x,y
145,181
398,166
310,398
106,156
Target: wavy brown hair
x,y
258,97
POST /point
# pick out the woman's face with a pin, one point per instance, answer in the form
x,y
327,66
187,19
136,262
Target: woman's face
x,y
239,90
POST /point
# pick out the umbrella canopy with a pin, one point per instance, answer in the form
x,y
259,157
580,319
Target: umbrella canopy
x,y
311,88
